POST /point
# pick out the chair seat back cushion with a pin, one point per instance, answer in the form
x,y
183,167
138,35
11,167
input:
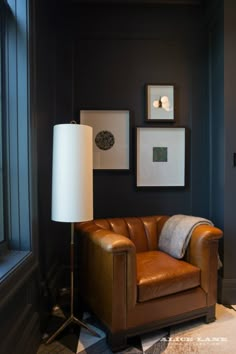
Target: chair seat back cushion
x,y
159,274
142,231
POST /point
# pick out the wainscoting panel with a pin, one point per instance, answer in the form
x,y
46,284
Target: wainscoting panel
x,y
20,328
227,291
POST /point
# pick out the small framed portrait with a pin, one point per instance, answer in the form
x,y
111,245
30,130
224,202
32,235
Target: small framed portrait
x,y
160,103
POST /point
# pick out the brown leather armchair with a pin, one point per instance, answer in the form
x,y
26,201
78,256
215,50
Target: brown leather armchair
x,y
133,287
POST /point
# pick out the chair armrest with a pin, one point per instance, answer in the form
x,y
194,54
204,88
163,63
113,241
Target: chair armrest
x,y
108,263
109,241
203,253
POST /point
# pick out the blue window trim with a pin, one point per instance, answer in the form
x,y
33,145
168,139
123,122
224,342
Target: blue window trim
x,y
10,260
2,234
17,126
18,250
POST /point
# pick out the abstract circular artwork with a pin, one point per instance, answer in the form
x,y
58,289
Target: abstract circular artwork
x,y
104,140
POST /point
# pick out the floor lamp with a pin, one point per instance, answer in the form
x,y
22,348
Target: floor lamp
x,y
72,191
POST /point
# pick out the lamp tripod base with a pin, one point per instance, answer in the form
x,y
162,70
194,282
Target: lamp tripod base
x,y
70,320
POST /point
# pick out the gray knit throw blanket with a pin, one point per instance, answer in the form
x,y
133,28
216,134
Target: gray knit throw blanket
x,y
176,233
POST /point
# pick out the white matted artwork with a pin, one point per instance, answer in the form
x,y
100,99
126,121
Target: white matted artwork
x,y
111,135
160,102
160,157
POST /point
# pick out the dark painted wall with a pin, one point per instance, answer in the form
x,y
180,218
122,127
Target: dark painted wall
x,y
229,271
45,58
51,103
216,117
222,74
101,57
119,49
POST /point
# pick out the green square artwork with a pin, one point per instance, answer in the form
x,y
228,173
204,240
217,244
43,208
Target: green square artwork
x,y
160,154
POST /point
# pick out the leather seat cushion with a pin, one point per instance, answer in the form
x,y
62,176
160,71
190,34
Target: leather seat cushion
x,y
159,274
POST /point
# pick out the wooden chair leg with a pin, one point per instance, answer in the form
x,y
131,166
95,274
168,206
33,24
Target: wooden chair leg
x,y
210,317
116,341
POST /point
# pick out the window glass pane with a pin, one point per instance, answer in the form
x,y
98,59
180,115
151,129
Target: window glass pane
x,y
1,184
1,144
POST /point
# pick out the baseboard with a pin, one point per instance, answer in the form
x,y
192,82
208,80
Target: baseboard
x,y
227,291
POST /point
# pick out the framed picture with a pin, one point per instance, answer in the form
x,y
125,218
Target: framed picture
x,y
111,138
160,103
160,157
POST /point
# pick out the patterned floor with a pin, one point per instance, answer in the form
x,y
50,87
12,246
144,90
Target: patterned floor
x,y
75,339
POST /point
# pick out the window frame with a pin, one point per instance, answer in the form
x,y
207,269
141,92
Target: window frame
x,y
3,245
18,249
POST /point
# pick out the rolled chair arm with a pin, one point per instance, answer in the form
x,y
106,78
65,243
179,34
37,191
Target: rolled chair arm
x,y
109,241
108,261
203,253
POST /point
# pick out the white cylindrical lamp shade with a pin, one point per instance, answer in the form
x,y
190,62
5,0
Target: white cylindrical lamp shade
x,y
72,173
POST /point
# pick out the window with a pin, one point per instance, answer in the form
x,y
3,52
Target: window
x,y
15,136
2,236
1,189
